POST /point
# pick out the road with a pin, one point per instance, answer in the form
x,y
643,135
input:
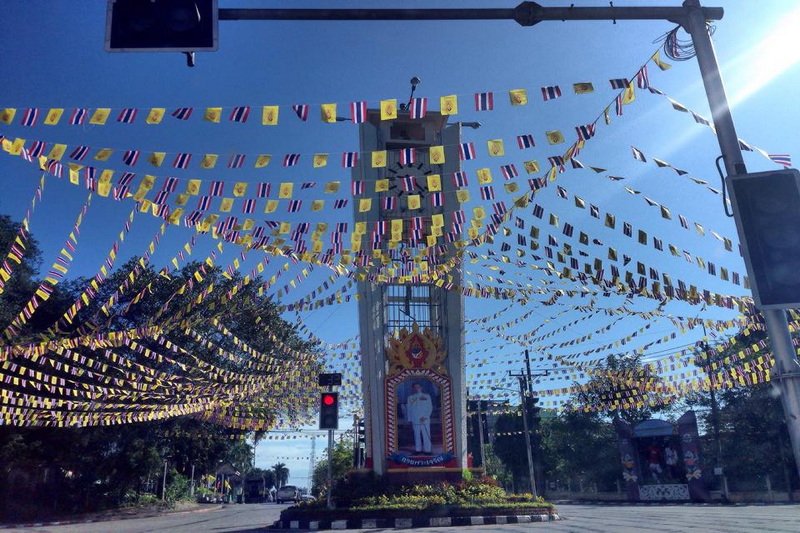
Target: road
x,y
577,519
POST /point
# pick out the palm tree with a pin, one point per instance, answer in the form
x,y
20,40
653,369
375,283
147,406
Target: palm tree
x,y
281,474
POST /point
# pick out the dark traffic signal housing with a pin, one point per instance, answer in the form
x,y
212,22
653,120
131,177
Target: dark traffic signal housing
x,y
161,25
767,210
329,410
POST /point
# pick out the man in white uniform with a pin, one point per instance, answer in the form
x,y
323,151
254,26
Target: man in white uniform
x,y
418,410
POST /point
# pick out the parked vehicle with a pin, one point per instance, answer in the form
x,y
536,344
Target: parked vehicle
x,y
287,493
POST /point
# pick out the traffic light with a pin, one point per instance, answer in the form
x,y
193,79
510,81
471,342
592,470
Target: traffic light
x,y
161,25
329,410
767,210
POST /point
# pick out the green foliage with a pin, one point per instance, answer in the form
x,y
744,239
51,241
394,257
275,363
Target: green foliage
x,y
341,465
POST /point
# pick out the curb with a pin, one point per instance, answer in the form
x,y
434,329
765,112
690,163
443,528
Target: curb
x,y
406,523
103,519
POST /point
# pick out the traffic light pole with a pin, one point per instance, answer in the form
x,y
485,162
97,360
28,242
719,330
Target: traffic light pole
x,y
787,370
330,462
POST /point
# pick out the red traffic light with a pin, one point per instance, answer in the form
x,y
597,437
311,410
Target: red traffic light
x,y
328,399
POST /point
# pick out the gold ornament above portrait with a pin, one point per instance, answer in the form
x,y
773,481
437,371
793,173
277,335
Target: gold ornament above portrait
x,y
416,350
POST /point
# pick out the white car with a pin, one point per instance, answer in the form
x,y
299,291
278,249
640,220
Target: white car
x,y
287,493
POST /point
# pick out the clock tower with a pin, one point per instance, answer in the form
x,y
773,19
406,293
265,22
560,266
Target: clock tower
x,y
411,317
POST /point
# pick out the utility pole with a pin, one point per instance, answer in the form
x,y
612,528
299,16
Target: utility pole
x,y
526,392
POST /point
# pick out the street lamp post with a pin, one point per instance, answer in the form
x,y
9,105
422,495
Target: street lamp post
x,y
523,398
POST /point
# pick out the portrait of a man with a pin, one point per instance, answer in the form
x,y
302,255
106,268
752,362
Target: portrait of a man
x,y
420,425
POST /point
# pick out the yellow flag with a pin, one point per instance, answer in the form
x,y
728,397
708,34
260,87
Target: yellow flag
x,y
285,228
414,201
106,175
320,160
285,190
629,95
364,205
208,161
434,182
269,115
57,151
226,205
449,104
271,206
479,212
379,159
263,160
213,114
193,187
332,186
437,220
532,166
484,176
103,154
75,179
554,137
239,188
53,116
175,216
361,228
103,188
436,155
7,115
328,113
182,199
100,116
156,158
155,116
583,88
661,64
511,187
551,174
388,109
607,116
462,195
381,185
518,97
317,205
495,147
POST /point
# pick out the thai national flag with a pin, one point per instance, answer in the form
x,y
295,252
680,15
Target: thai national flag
x,y
182,160
290,160
170,184
37,148
340,203
204,203
78,116
555,160
294,206
487,192
642,80
249,205
460,179
216,188
619,83
240,114
437,199
619,105
459,217
408,156
130,157
551,92
389,203
484,101
236,161
509,171
349,159
301,110
358,112
30,116
418,107
127,115
263,190
499,208
126,178
409,183
466,151
182,113
357,187
585,132
525,141
781,159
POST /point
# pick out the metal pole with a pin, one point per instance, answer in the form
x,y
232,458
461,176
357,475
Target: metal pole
x,y
480,436
522,396
330,467
164,483
191,483
787,370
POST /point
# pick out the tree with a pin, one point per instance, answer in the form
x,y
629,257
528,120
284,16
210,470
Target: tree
x,y
341,464
281,474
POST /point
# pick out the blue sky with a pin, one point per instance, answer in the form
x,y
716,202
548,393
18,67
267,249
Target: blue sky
x,y
54,58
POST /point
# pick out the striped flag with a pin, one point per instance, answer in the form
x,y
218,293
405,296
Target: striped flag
x,y
408,156
130,157
619,83
240,114
585,132
509,171
30,117
349,159
642,81
551,92
182,160
79,153
236,161
358,112
437,199
484,101
216,188
525,141
79,116
294,206
249,206
301,110
290,160
263,190
781,159
418,107
357,187
466,151
127,115
182,113
389,203
487,192
460,179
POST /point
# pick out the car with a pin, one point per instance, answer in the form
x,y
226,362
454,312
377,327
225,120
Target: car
x,y
307,498
287,493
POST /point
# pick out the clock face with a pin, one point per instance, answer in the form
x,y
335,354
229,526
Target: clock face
x,y
410,178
